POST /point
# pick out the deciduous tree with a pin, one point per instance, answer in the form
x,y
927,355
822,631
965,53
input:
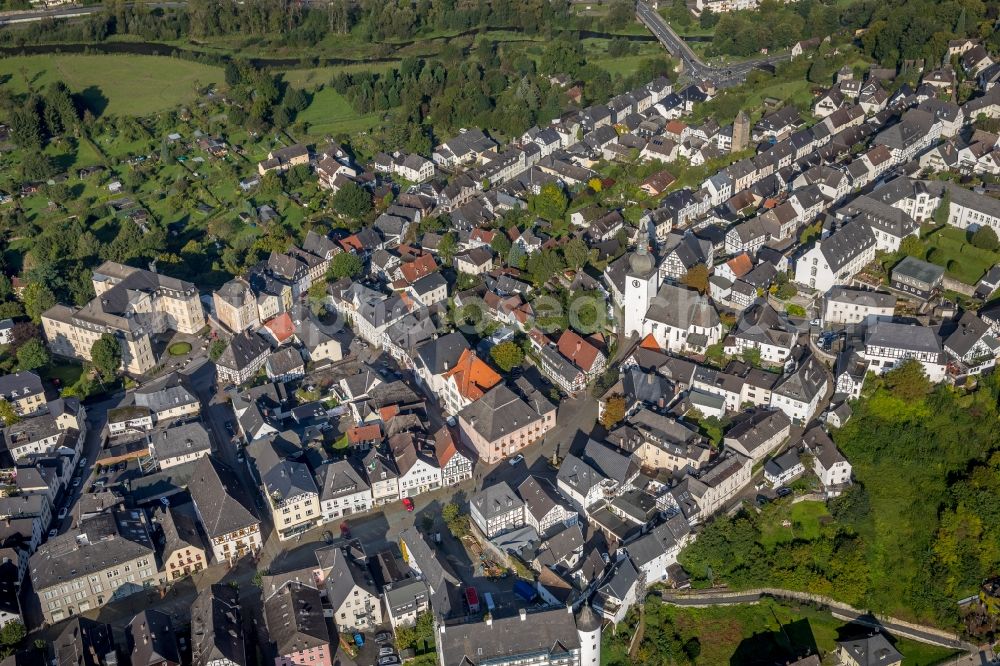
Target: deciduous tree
x,y
32,354
345,265
106,354
507,355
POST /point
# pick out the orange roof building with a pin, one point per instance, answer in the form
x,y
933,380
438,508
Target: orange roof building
x,y
649,342
281,328
455,463
420,267
580,353
472,378
740,265
364,436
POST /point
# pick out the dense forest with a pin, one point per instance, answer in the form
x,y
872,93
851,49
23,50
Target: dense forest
x,y
285,22
919,530
501,91
893,31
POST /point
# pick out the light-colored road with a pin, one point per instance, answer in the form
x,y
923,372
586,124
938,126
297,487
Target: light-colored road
x,y
695,67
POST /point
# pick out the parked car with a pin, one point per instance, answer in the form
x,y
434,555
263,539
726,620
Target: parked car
x,y
408,503
816,322
388,661
328,537
783,492
359,639
345,530
387,651
53,533
383,637
451,422
83,463
516,460
76,482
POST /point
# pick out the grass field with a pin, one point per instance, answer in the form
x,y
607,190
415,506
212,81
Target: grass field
x,y
330,113
949,247
805,518
315,76
766,632
114,84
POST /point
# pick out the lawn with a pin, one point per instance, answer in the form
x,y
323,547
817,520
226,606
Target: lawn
x,y
179,348
316,76
67,373
805,520
114,84
330,113
767,632
624,65
950,248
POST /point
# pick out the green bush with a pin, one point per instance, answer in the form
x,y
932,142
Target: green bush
x,y
794,310
179,348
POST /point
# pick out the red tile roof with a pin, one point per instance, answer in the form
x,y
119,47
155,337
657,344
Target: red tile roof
x,y
579,351
420,267
482,235
444,446
649,342
281,327
740,265
368,433
472,376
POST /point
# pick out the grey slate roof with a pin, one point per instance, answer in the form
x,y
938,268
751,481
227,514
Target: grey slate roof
x,y
20,384
295,620
862,297
539,496
969,330
662,538
609,463
220,499
152,640
343,576
339,478
443,353
282,477
840,247
242,350
917,269
682,308
577,474
552,632
902,336
499,412
165,393
759,427
781,464
104,540
180,440
871,651
84,642
217,627
496,500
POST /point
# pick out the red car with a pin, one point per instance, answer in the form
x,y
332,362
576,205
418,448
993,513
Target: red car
x,y
408,503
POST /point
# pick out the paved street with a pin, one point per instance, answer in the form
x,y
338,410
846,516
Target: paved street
x,y
694,67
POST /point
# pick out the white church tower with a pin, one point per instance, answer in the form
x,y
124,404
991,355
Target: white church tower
x,y
642,280
588,626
